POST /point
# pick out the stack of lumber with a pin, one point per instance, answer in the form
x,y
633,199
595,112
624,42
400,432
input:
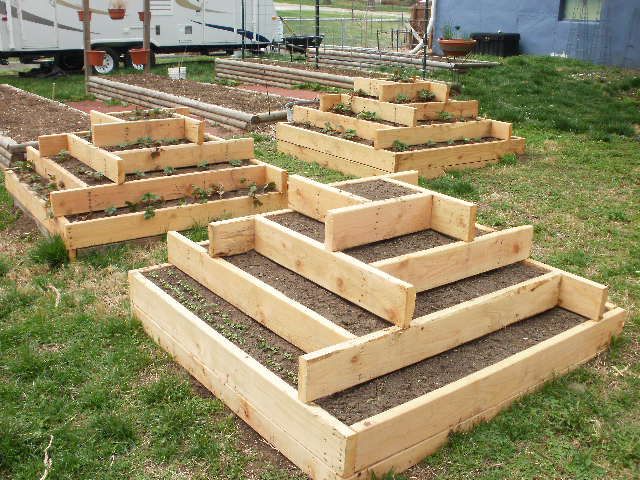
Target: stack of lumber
x,y
386,121
164,170
308,416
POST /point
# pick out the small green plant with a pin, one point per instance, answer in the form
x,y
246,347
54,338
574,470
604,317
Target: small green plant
x,y
366,115
401,75
169,170
110,211
149,212
451,141
431,144
466,140
399,146
139,174
235,163
359,93
328,129
402,98
204,165
201,195
445,116
51,251
149,200
426,95
509,159
349,134
341,108
450,32
64,154
132,206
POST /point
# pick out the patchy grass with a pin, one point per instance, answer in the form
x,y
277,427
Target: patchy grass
x,y
118,407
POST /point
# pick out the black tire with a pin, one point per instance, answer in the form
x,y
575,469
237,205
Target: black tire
x,y
129,64
111,62
69,61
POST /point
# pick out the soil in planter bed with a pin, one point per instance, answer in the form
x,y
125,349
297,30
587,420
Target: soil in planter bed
x,y
84,172
377,189
242,100
331,306
352,114
81,217
39,185
165,142
144,114
179,171
272,351
376,396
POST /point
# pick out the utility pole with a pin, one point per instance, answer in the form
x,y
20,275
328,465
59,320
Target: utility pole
x,y
86,32
146,39
317,34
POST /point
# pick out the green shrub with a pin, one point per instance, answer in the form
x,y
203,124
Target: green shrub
x,y
51,251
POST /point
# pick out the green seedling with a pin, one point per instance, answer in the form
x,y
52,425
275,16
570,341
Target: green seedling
x,y
366,115
426,95
110,211
349,134
399,146
402,98
169,171
235,163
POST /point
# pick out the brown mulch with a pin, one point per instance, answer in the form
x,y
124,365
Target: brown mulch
x,y
245,101
25,116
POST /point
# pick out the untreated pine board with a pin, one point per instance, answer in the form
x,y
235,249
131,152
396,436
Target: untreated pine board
x,y
262,390
583,296
390,112
435,133
128,226
107,135
408,178
342,123
28,200
355,225
292,321
457,108
101,197
341,366
188,155
50,145
231,237
315,199
193,129
98,118
373,290
441,410
438,266
387,90
449,215
47,168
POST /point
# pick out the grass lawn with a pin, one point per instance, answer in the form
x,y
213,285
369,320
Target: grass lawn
x,y
77,369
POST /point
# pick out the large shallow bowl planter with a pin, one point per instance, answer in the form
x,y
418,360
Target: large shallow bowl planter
x,y
457,47
96,57
139,56
117,13
81,15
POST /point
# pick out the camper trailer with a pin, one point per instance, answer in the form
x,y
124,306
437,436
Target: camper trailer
x,y
31,29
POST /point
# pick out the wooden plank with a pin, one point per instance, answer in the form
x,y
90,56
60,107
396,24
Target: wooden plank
x,y
98,118
341,366
339,147
329,100
294,322
106,135
390,112
342,123
449,263
441,410
128,226
436,133
457,108
50,145
501,130
262,391
583,296
193,129
449,215
100,197
188,155
373,290
277,175
47,168
315,199
326,160
407,178
231,237
29,201
355,225
389,92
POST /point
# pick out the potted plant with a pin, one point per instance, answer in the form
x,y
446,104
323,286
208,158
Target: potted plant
x,y
81,15
117,11
96,57
139,56
455,44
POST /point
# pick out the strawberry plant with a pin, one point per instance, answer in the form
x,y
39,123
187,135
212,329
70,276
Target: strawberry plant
x,y
445,116
169,170
402,98
426,95
399,146
235,163
349,134
341,108
110,211
366,115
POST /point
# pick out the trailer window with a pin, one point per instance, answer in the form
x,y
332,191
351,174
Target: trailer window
x,y
580,10
162,7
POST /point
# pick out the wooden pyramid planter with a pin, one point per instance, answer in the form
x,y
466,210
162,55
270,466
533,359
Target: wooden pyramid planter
x,y
91,196
342,329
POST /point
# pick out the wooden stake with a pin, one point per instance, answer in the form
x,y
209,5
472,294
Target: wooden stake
x,y
146,42
86,32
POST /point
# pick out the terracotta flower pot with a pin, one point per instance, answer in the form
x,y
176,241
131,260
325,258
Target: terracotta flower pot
x,y
139,56
117,13
81,15
141,16
456,47
96,57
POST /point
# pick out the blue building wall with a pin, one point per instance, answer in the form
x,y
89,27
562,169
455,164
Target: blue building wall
x,y
614,40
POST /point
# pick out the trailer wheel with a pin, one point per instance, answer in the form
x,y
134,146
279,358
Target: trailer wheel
x,y
69,61
111,61
129,64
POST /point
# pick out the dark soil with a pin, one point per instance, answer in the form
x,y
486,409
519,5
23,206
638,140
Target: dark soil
x,y
301,223
25,116
331,306
272,351
351,113
39,185
139,144
377,189
84,172
234,98
334,133
142,114
376,396
178,171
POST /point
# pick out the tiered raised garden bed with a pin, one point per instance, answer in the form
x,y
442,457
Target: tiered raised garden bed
x,y
369,134
140,178
360,327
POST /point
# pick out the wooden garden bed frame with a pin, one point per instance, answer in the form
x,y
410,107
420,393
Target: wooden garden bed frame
x,y
388,90
78,197
334,359
363,160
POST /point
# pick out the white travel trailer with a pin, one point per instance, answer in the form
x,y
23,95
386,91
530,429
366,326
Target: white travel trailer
x,y
32,29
